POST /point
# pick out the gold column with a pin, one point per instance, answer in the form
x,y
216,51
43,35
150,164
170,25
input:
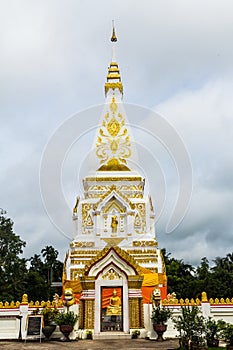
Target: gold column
x,y
81,308
141,312
136,313
89,314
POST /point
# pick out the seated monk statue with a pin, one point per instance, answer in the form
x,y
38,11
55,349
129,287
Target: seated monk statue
x,y
114,307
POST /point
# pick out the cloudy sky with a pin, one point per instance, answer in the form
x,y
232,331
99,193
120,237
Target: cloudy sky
x,y
175,58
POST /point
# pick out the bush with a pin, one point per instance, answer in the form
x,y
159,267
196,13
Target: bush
x,y
67,318
50,315
160,315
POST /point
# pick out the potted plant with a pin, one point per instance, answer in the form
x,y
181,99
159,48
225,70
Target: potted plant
x,y
213,331
185,325
198,340
227,334
159,316
135,334
66,322
89,334
49,317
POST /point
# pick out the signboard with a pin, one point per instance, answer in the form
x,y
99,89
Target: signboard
x,y
34,326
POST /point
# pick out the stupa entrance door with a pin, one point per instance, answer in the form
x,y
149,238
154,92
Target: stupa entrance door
x,y
111,309
111,305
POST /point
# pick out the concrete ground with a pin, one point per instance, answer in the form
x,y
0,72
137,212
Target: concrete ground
x,y
131,344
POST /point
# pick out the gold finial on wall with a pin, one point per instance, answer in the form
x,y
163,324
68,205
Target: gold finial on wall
x,y
204,296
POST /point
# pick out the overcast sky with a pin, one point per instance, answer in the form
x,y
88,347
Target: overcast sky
x,y
175,57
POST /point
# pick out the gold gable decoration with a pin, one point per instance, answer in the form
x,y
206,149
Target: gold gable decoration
x,y
120,252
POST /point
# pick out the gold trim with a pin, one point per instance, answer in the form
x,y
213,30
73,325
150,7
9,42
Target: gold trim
x,y
135,282
88,282
112,241
114,178
114,188
143,243
83,244
113,86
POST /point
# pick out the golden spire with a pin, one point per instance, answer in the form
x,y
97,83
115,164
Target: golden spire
x,y
113,77
114,37
113,142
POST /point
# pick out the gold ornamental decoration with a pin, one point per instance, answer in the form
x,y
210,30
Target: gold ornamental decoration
x,y
113,143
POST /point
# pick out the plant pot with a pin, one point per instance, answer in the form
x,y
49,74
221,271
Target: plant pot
x,y
48,330
66,329
213,343
185,344
134,336
199,347
160,329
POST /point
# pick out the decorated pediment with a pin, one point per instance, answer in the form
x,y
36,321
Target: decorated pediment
x,y
113,204
113,258
113,197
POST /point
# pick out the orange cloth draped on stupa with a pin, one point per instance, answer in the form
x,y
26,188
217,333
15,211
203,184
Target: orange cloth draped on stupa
x,y
76,287
150,282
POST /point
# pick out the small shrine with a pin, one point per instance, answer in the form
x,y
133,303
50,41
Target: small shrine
x,y
113,263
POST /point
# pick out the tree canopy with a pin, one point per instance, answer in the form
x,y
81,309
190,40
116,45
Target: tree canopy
x,y
18,275
188,281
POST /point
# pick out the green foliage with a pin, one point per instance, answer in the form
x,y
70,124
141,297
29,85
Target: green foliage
x,y
181,278
213,329
16,277
66,318
43,273
196,330
135,334
184,323
160,315
50,315
228,334
198,337
12,266
191,326
188,281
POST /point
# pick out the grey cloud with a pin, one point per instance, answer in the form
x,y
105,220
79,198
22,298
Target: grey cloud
x,y
54,62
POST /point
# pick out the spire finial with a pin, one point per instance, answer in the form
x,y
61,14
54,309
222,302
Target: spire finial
x,y
114,37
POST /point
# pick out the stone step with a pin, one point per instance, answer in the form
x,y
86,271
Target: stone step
x,y
111,335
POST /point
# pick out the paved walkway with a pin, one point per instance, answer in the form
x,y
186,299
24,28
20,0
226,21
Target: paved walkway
x,y
132,344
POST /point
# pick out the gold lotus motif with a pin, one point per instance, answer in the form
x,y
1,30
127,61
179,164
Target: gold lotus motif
x,y
114,146
113,127
113,106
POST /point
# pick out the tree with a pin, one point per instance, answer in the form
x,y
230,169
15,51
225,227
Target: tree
x,y
222,277
42,273
12,266
180,276
36,263
50,255
52,265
